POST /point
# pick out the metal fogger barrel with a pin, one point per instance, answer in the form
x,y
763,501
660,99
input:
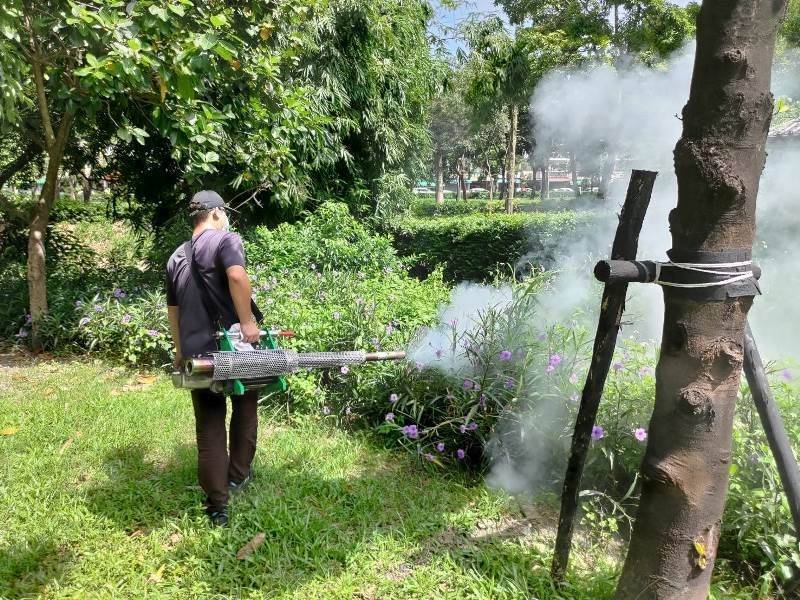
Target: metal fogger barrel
x,y
257,368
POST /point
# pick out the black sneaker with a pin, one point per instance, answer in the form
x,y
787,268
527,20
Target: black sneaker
x,y
235,488
218,518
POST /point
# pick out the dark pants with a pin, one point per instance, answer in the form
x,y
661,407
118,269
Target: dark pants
x,y
214,468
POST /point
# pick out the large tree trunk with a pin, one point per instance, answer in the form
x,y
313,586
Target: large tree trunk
x,y
40,217
513,113
86,184
438,167
546,180
718,161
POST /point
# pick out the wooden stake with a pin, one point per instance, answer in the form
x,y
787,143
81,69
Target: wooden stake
x,y
626,242
773,426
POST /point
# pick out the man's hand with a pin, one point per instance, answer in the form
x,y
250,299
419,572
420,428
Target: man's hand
x,y
250,331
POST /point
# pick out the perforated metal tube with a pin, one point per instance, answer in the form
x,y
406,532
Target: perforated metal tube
x,y
253,364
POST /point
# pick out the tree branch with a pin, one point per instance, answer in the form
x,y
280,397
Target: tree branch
x,y
19,163
47,125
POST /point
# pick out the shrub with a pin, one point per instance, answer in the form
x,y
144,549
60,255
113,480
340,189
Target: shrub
x,y
329,239
472,247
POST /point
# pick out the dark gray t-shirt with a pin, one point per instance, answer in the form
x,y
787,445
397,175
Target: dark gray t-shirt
x,y
214,252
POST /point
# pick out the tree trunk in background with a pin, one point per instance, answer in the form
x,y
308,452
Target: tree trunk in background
x,y
73,188
513,113
461,179
86,184
545,181
573,168
438,167
40,217
490,177
718,161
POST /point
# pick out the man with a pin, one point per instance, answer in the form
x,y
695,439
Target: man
x,y
215,292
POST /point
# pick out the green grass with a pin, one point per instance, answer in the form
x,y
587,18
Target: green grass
x,y
99,499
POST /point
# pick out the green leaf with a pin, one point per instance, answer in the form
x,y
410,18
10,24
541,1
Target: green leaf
x,y
218,20
124,134
134,44
225,51
92,59
177,9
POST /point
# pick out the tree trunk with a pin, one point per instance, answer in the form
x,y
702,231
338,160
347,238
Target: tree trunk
x,y
718,161
546,181
86,184
490,177
40,217
573,168
439,177
461,179
513,113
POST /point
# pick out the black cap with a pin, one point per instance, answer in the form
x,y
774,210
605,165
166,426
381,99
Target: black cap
x,y
206,200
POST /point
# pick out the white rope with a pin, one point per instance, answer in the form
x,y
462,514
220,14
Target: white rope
x,y
734,276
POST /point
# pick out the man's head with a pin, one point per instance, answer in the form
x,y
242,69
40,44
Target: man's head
x,y
208,207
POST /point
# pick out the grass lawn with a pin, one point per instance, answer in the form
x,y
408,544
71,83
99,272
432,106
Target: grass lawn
x,y
99,499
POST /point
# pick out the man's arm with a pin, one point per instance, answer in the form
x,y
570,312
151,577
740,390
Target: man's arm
x,y
239,284
174,327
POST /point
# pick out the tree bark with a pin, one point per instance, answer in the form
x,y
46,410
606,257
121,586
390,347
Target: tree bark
x,y
718,161
461,179
86,183
40,217
546,180
513,114
438,167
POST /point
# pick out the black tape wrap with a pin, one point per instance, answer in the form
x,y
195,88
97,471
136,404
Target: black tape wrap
x,y
709,260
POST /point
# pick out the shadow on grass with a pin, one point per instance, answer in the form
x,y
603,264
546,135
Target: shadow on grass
x,y
31,564
316,527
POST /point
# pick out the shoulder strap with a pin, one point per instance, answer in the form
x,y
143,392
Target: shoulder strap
x,y
211,310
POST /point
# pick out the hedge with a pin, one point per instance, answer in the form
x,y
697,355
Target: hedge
x,y
472,247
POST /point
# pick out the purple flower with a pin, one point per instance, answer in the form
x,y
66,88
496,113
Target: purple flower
x,y
440,447
640,433
786,373
152,332
510,383
376,342
28,319
393,398
22,333
505,355
554,360
78,303
319,275
541,337
295,295
390,417
326,410
463,428
482,401
119,294
439,353
419,366
345,370
477,387
573,378
313,267
273,280
574,398
410,431
468,384
549,369
428,457
83,321
460,454
337,315
598,433
453,322
98,308
645,371
126,319
472,426
265,287
389,329
618,366
359,301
